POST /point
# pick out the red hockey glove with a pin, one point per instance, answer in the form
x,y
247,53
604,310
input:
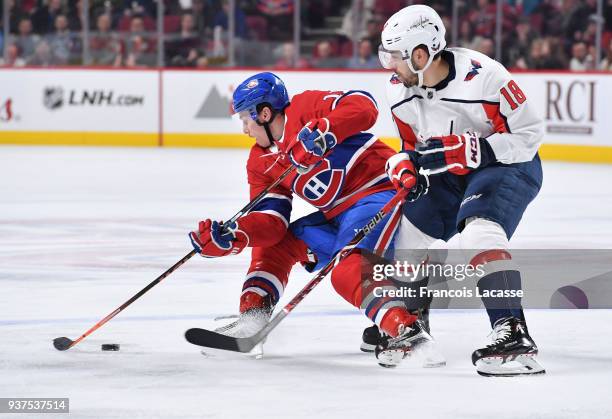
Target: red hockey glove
x,y
213,240
458,154
311,143
404,175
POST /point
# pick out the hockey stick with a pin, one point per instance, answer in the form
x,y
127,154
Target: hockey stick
x,y
210,339
64,343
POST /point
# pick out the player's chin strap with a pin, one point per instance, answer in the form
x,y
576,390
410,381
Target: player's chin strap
x,y
266,126
420,76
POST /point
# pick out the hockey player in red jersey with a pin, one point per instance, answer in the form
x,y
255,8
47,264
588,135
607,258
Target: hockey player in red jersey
x,y
340,170
464,121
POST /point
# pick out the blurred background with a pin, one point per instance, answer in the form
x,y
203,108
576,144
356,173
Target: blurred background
x,y
571,35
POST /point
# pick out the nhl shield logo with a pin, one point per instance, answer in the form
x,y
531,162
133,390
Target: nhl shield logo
x,y
53,97
321,185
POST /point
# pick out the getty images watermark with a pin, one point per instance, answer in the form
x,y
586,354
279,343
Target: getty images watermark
x,y
541,278
404,272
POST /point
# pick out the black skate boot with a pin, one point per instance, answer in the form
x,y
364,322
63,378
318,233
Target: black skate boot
x,y
373,336
412,339
512,352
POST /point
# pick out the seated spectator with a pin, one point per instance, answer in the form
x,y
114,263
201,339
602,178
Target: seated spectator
x,y
139,49
325,58
547,18
15,14
202,61
482,18
606,63
13,58
25,40
485,46
466,34
590,32
139,7
372,33
314,12
203,15
75,15
275,7
182,50
518,44
42,55
44,18
545,54
581,59
287,59
138,54
104,45
278,14
553,55
364,60
62,42
221,20
356,19
576,18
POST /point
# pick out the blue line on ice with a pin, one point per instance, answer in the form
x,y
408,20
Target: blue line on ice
x,y
15,322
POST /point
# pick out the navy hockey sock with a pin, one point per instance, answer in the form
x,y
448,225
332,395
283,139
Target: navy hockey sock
x,y
501,306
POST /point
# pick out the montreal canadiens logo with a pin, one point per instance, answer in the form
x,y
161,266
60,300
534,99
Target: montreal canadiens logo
x,y
321,185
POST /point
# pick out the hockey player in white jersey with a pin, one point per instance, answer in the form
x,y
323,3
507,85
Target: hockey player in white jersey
x,y
469,129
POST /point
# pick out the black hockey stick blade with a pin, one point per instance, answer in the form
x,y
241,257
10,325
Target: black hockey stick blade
x,y
210,339
62,344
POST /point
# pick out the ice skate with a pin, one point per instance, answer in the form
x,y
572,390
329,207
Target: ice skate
x,y
247,324
411,340
511,353
372,336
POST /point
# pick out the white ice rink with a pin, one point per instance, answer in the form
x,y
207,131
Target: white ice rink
x,y
83,229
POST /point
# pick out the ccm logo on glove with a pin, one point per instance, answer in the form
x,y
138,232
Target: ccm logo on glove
x,y
458,154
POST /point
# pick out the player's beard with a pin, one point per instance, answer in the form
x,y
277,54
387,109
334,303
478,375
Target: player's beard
x,y
408,78
411,81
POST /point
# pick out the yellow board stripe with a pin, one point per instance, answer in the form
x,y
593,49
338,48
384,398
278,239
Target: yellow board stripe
x,y
85,138
561,152
576,153
208,140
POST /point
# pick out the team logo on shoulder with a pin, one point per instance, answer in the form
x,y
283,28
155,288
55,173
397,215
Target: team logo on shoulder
x,y
321,185
395,79
473,71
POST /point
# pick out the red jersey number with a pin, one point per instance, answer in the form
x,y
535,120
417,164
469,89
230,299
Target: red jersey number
x,y
515,96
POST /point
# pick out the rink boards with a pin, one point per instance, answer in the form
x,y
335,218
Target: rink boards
x,y
184,108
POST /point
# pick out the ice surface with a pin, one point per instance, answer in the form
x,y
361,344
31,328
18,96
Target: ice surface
x,y
83,229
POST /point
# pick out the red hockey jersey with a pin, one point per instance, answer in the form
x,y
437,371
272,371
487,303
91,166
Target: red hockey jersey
x,y
354,169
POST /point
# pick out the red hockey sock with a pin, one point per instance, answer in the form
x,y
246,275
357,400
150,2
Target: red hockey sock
x,y
395,317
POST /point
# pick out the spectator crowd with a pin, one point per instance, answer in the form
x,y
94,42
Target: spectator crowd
x,y
536,34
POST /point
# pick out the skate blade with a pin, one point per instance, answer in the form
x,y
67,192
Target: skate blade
x,y
522,365
366,347
391,358
257,352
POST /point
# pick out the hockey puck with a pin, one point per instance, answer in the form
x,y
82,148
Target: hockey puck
x,y
110,346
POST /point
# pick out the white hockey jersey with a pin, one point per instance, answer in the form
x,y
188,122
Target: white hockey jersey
x,y
479,95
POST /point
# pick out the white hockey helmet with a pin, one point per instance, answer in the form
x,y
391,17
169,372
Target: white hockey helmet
x,y
407,29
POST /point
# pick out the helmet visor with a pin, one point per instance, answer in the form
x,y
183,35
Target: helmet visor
x,y
389,59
